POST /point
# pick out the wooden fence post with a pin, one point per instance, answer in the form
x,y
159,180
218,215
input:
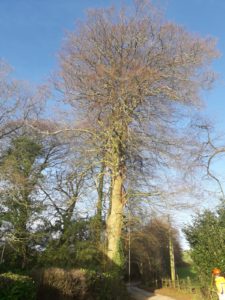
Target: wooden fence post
x,y
189,284
178,282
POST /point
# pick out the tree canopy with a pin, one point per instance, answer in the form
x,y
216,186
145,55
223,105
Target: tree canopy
x,y
132,77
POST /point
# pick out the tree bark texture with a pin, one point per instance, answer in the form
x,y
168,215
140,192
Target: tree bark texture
x,y
114,222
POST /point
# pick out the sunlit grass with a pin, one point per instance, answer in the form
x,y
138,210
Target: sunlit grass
x,y
187,270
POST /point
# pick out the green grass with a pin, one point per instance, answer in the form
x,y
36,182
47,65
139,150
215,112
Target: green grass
x,y
187,271
186,255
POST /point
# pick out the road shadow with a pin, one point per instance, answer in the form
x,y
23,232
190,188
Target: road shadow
x,y
140,294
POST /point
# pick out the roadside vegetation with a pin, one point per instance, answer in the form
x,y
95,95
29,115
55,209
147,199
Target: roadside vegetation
x,y
187,269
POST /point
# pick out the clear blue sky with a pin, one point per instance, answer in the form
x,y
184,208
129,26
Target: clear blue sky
x,y
32,33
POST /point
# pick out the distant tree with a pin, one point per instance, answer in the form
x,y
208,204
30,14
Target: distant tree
x,y
19,102
150,257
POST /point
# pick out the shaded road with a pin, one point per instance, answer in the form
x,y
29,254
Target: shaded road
x,y
140,294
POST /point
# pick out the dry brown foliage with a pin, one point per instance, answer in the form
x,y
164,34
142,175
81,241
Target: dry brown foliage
x,y
70,283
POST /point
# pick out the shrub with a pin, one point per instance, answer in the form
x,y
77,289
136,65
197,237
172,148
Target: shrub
x,y
16,287
201,237
60,284
106,286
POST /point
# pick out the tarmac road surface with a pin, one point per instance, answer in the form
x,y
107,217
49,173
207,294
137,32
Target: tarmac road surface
x,y
140,294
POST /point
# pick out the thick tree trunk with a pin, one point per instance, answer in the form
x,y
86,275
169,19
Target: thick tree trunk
x,y
114,222
172,261
171,254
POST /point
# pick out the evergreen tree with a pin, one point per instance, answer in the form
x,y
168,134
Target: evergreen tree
x,y
206,236
21,171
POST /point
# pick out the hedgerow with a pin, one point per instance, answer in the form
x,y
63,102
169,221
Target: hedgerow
x,y
17,287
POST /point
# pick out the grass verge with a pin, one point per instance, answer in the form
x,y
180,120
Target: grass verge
x,y
178,295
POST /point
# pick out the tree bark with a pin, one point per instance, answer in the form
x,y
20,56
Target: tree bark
x,y
98,226
172,261
114,222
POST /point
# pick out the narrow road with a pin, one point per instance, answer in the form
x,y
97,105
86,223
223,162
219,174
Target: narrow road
x,y
140,294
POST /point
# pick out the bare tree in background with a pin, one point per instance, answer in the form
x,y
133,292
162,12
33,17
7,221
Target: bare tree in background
x,y
19,102
10,101
213,151
135,80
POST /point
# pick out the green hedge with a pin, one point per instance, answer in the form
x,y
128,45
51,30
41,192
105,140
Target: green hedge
x,y
16,287
106,286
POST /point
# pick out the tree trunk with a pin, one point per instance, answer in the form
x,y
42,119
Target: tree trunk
x,y
172,261
114,223
100,193
98,217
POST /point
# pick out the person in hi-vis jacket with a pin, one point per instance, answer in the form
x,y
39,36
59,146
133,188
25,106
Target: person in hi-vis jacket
x,y
219,282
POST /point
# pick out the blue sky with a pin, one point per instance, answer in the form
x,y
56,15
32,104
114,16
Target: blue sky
x,y
32,32
206,17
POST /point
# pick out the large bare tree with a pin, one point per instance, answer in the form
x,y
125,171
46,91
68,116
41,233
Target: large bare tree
x,y
134,79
